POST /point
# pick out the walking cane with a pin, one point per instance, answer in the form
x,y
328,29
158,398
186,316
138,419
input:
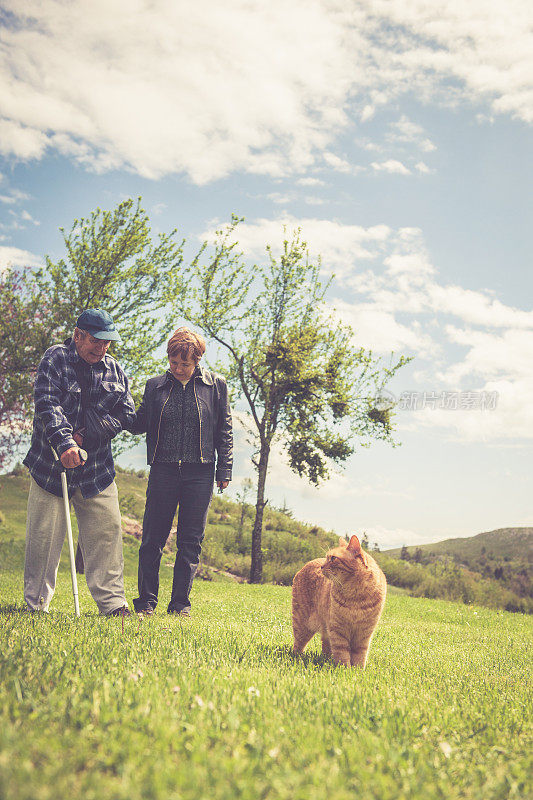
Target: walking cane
x,y
83,456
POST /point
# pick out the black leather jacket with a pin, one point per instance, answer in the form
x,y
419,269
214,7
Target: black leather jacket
x,y
216,433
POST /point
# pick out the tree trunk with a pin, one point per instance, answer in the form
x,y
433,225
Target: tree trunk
x,y
256,570
241,525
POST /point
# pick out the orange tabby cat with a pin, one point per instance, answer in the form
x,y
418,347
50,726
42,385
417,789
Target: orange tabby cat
x,y
342,597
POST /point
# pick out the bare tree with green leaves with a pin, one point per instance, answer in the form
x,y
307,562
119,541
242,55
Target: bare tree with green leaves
x,y
304,383
112,261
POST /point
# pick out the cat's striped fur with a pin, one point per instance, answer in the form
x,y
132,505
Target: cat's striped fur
x,y
341,597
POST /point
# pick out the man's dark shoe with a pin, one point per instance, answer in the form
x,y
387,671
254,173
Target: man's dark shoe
x,y
146,612
122,611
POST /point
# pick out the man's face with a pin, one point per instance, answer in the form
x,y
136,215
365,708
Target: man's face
x,y
90,349
182,369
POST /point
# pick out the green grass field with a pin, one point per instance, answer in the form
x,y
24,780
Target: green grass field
x,y
217,707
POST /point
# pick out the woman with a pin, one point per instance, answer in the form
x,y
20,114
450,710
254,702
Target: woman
x,y
187,420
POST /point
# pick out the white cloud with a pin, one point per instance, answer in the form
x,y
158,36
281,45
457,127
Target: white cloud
x,y
399,146
506,354
406,131
206,89
338,164
25,216
486,47
14,196
412,264
511,418
171,87
401,277
311,200
310,182
22,140
423,168
476,308
379,330
367,113
391,166
339,245
15,257
371,146
279,198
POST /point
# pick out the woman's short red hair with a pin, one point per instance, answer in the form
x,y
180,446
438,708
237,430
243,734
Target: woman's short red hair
x,y
186,343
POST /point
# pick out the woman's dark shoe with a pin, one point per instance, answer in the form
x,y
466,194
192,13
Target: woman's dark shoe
x,y
145,612
184,612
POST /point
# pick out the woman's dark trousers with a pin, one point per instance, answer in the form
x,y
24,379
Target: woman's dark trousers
x,y
171,484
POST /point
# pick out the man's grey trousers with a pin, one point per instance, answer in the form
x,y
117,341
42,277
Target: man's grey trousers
x,y
100,540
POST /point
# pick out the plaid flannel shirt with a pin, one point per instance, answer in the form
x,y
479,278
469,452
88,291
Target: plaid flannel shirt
x,y
58,414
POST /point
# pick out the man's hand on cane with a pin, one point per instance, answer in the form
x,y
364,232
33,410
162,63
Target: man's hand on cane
x,y
71,458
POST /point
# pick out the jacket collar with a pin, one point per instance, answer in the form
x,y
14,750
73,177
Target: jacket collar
x,y
73,354
201,373
205,375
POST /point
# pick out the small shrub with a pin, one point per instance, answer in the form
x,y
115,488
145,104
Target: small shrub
x,y
127,504
279,573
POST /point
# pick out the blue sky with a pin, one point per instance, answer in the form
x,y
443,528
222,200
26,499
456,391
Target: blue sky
x,y
397,135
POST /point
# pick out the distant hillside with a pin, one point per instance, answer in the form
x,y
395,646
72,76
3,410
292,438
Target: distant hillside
x,y
502,559
510,543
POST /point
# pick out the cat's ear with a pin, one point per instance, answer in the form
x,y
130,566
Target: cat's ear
x,y
355,548
343,542
355,545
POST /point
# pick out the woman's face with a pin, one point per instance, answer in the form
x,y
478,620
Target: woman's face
x,y
181,368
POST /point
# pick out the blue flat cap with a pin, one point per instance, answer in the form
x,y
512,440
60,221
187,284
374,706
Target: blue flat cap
x,y
99,324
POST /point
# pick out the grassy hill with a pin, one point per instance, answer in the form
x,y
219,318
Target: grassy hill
x,y
494,579
218,707
504,543
502,558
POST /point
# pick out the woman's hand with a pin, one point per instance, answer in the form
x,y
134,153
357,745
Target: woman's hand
x,y
222,485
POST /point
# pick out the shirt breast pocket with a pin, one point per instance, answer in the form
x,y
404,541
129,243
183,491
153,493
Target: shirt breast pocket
x,y
71,399
110,394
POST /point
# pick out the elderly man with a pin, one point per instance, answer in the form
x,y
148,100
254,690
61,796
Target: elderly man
x,y
81,399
